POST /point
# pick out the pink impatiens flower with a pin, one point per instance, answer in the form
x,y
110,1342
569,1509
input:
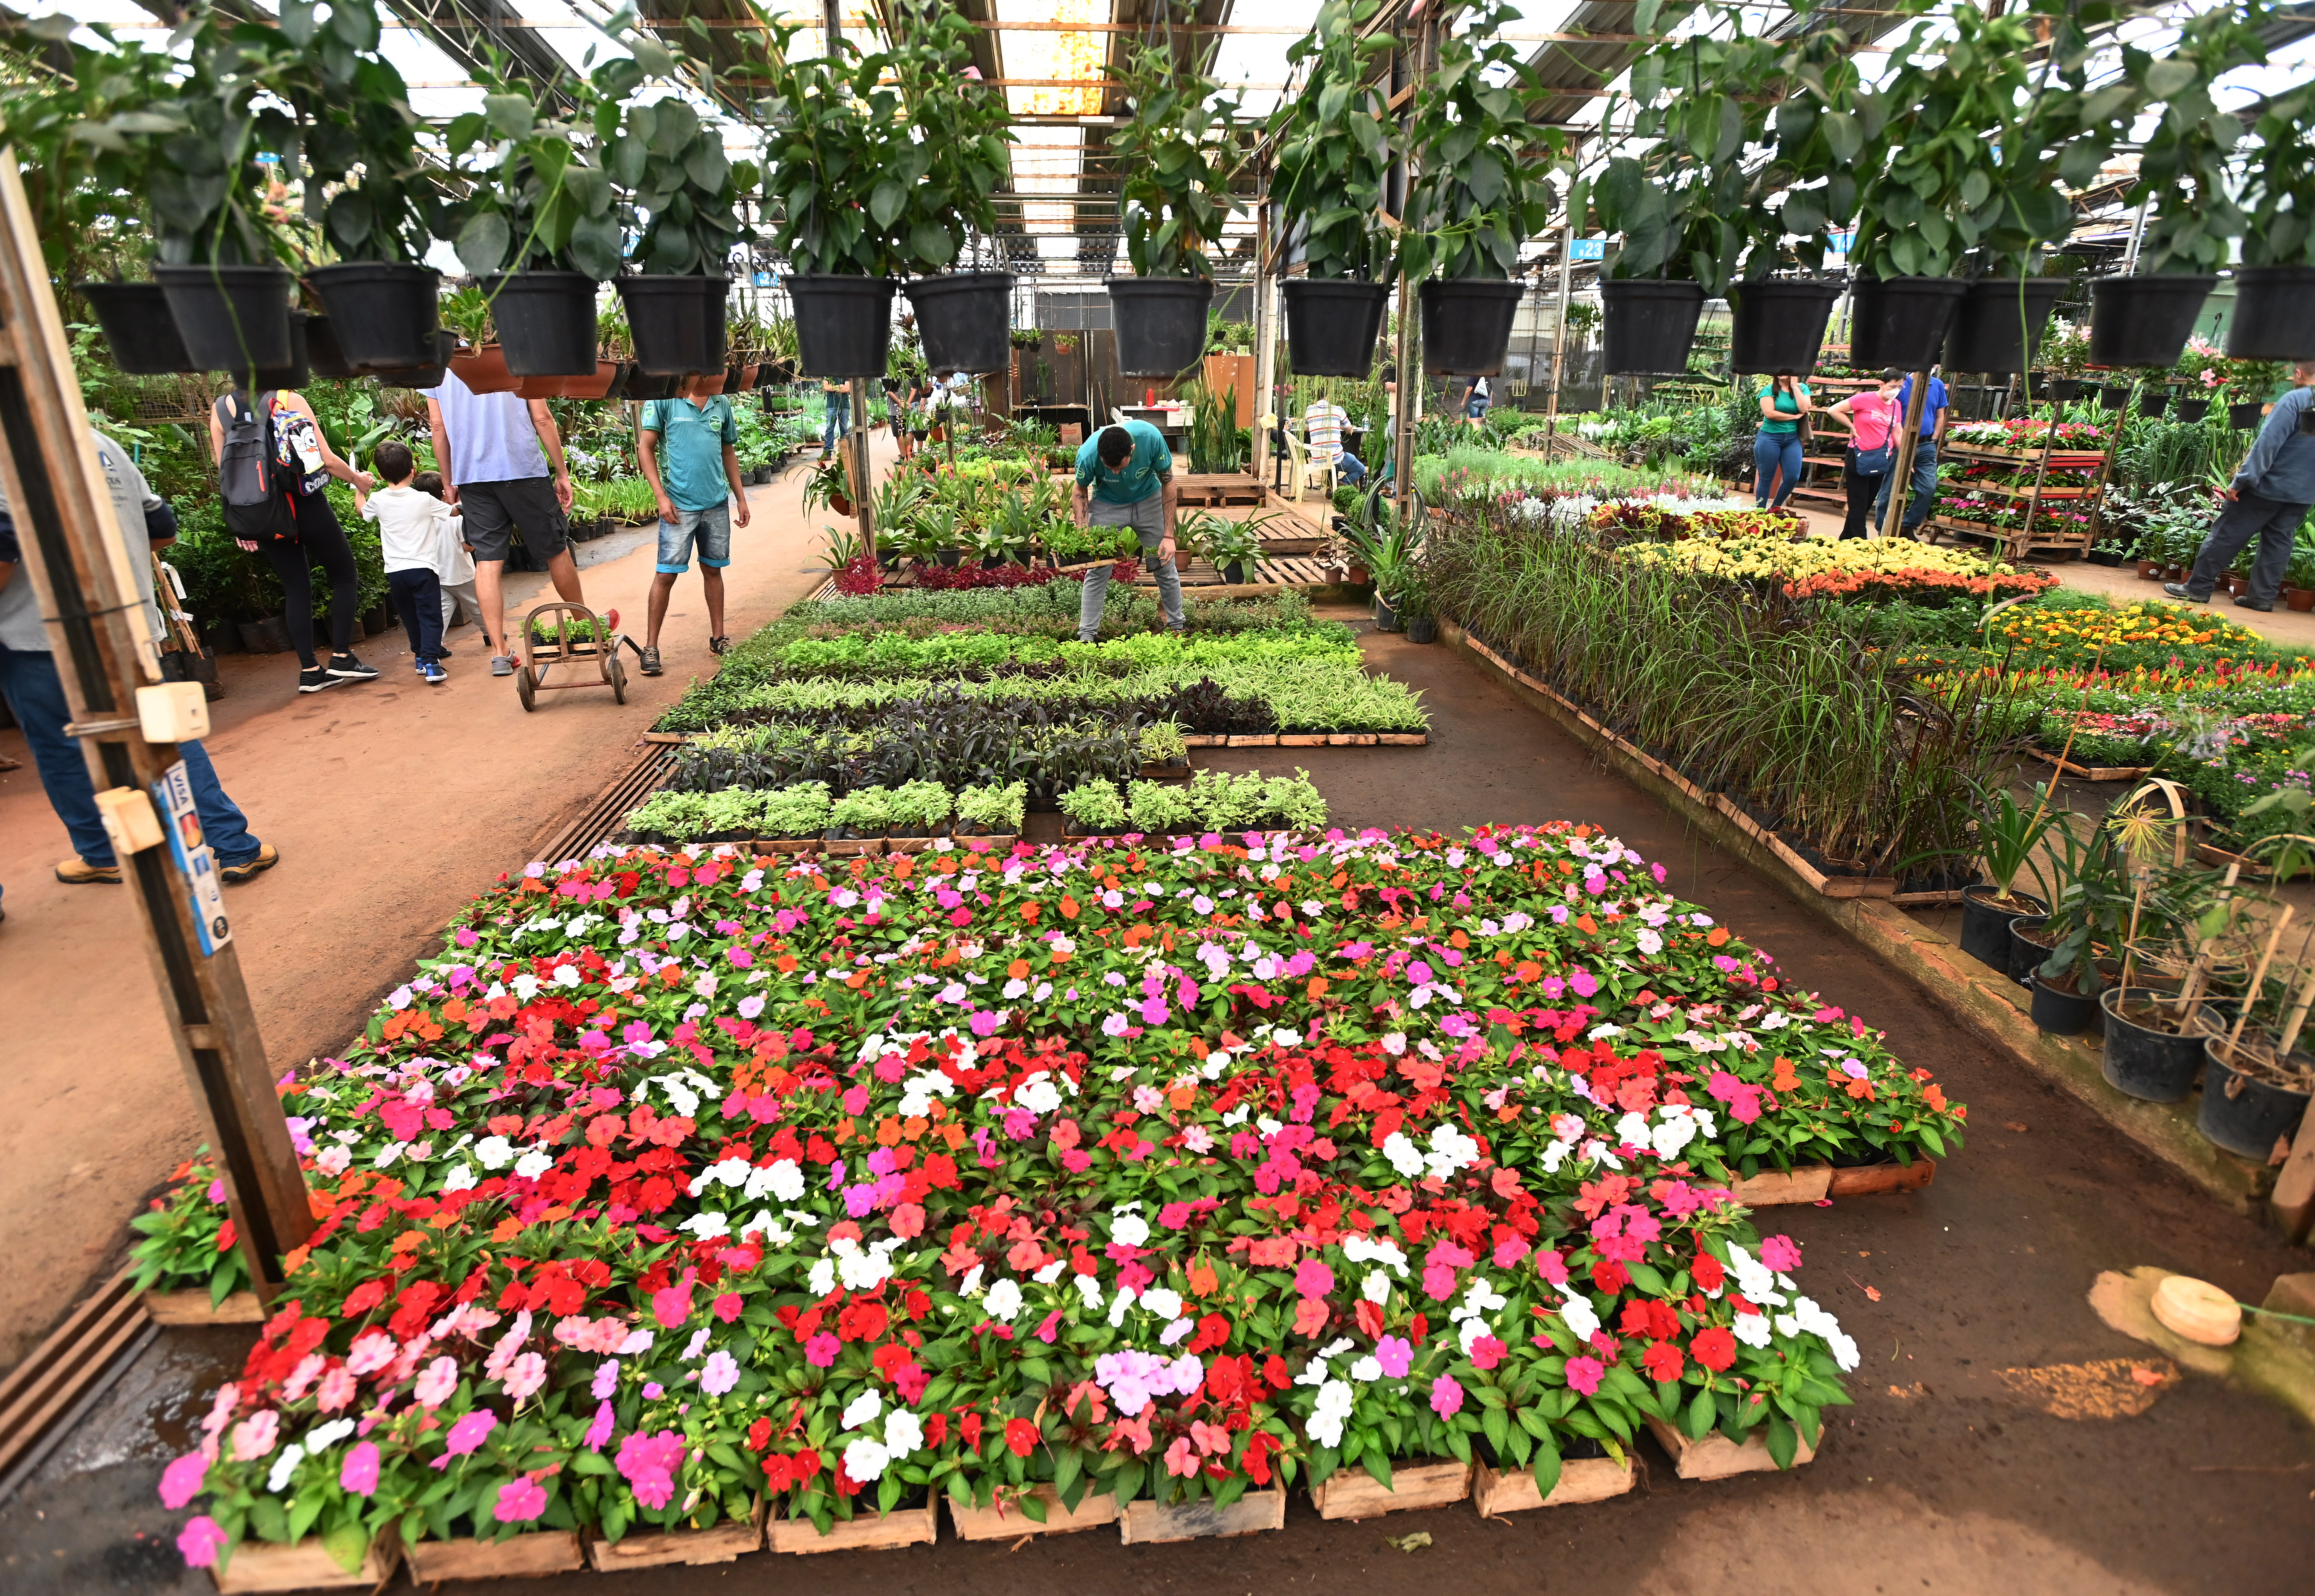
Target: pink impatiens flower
x,y
1395,1353
1779,1254
526,1376
254,1436
1313,1278
359,1473
821,1351
1584,1375
434,1386
719,1374
200,1541
469,1433
520,1499
181,1482
1446,1396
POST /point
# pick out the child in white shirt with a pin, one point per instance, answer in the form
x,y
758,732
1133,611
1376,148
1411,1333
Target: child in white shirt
x,y
410,529
455,566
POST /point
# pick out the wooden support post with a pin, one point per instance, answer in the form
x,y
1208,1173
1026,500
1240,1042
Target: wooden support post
x,y
80,571
1901,469
1410,374
1559,340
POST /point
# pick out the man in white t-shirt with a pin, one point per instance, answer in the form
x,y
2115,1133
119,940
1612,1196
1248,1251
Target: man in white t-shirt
x,y
409,528
1322,425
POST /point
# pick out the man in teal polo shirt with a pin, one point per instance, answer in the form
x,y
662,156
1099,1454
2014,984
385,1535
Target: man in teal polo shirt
x,y
1125,478
685,445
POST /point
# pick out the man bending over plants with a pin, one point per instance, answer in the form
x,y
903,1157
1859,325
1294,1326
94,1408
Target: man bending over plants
x,y
1125,478
2267,500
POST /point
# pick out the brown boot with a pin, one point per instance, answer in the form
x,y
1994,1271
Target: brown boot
x,y
79,872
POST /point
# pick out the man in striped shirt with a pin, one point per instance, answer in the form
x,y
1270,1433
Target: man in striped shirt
x,y
1322,425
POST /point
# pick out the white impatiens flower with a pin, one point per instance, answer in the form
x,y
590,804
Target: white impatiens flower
x,y
1165,1303
1751,1329
494,1152
1326,1424
822,1281
1375,1249
1403,1155
1479,1300
1129,1228
534,1164
461,1179
1633,1130
863,1411
1576,1312
1123,1300
1089,1286
1038,1094
324,1436
1377,1287
864,1459
1366,1369
708,1226
729,1172
781,1179
1003,1301
1050,1271
1451,1150
284,1465
904,1432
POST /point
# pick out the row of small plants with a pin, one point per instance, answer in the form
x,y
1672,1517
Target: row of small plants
x,y
807,812
680,1180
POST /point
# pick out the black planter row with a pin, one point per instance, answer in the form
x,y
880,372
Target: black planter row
x,y
1993,325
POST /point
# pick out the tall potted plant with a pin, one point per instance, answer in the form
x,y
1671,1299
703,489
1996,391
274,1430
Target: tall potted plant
x,y
1177,154
2275,287
1478,192
670,165
540,227
946,180
1334,153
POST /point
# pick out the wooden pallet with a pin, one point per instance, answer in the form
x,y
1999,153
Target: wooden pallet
x,y
1355,1494
1581,1479
1717,1457
1216,488
69,1367
1294,571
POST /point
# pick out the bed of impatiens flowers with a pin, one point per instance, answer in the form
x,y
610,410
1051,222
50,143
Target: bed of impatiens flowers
x,y
685,1179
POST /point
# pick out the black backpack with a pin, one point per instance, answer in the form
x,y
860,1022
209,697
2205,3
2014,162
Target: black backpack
x,y
255,510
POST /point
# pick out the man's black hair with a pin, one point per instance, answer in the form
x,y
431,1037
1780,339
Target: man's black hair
x,y
1115,447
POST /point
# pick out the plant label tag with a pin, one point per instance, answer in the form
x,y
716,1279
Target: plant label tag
x,y
172,795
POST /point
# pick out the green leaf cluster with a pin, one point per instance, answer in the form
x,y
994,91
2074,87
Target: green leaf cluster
x,y
1179,155
1336,145
1479,190
540,199
670,163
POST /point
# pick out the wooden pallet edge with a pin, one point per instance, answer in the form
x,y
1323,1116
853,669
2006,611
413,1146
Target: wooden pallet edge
x,y
2097,773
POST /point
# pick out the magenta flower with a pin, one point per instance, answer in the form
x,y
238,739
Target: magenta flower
x,y
821,1351
1446,1396
358,1475
520,1499
200,1541
598,1430
1395,1353
1584,1375
181,1482
1779,1254
467,1434
1313,1278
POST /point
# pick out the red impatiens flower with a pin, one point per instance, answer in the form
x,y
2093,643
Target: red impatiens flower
x,y
1020,1436
1715,1348
1664,1361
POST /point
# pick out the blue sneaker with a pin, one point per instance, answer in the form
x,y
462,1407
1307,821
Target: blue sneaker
x,y
434,674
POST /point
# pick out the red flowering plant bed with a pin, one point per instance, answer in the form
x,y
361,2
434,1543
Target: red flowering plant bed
x,y
1918,585
686,1179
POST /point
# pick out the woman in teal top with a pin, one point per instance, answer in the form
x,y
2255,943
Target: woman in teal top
x,y
1777,448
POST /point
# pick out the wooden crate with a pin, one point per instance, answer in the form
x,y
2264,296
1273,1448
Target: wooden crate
x,y
1353,739
1216,488
521,1557
1808,1183
1717,1457
1872,1179
1403,739
995,1523
304,1566
719,1543
192,1307
906,1526
1581,1479
1355,1494
1294,571
1150,1523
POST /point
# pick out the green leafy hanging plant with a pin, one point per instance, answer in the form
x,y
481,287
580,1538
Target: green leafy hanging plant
x,y
671,163
1180,151
1336,146
1479,191
539,203
2184,166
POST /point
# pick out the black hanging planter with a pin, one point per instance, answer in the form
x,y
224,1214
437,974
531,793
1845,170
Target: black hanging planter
x,y
677,322
2274,313
966,320
1160,321
1466,325
2191,410
2248,1123
1780,324
1646,325
383,313
545,321
446,344
2144,320
2063,389
230,317
2155,1065
324,357
1332,324
1989,332
294,372
2245,417
844,325
1985,929
2153,402
1902,322
2114,395
137,324
642,385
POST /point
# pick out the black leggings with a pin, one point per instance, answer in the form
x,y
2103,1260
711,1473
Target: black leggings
x,y
1861,491
320,541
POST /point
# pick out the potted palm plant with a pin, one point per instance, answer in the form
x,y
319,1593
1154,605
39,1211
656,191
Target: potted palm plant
x,y
2275,287
670,163
1177,154
1335,151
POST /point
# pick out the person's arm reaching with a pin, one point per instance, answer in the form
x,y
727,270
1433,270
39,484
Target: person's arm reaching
x,y
1169,499
647,456
739,488
360,481
550,438
442,451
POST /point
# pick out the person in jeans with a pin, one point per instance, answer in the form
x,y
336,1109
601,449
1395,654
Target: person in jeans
x,y
1322,426
2267,500
35,694
303,461
1125,478
409,528
501,462
838,397
1923,485
1777,447
1873,417
685,447
1476,401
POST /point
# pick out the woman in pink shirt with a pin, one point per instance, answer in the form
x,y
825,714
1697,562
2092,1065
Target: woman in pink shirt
x,y
1871,416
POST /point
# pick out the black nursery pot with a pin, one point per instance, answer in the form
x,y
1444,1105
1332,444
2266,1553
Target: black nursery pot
x,y
2065,389
2154,1065
324,357
137,324
1985,929
545,321
2191,410
1332,325
2248,1123
844,325
2274,313
2153,402
293,373
1160,321
1902,322
966,320
446,344
384,315
2026,957
1780,324
230,317
2114,396
1422,629
1647,326
2144,320
2061,1014
677,322
2245,417
1466,325
1989,332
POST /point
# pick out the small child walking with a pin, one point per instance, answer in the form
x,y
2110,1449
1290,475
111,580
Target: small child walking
x,y
410,532
455,567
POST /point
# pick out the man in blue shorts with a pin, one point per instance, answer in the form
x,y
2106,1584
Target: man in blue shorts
x,y
1125,478
685,447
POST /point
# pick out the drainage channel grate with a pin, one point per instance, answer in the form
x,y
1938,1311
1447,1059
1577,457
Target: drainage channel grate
x,y
602,819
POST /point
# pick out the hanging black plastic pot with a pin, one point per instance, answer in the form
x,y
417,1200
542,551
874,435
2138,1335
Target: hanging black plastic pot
x,y
324,357
1332,324
1466,325
446,344
293,373
2249,1122
2274,313
545,321
2157,1066
677,322
1647,326
2144,320
1780,324
383,313
1990,333
137,324
2114,396
1160,321
643,384
1902,322
230,317
2192,409
1985,929
2153,402
2245,417
844,325
966,321
2063,389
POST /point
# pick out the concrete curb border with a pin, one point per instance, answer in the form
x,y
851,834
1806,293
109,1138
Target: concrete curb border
x,y
1988,1004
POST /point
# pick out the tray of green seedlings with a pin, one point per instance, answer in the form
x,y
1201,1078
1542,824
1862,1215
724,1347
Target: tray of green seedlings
x,y
1069,548
989,817
1213,802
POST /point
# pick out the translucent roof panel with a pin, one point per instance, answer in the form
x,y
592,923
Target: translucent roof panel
x,y
1043,60
1259,59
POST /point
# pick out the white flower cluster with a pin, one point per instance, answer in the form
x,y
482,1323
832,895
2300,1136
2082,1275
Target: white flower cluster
x,y
1761,1286
865,1458
861,1269
1451,1150
1681,1123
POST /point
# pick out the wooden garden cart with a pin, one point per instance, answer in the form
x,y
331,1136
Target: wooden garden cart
x,y
580,639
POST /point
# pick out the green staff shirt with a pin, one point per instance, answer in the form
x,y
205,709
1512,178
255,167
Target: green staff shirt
x,y
691,440
1789,410
1149,468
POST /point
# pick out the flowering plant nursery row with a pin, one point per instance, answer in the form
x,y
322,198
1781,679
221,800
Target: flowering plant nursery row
x,y
685,1179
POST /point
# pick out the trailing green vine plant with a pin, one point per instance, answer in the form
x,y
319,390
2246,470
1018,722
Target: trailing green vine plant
x,y
1179,151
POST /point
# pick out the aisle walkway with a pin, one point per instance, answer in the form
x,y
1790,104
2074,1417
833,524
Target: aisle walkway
x,y
391,802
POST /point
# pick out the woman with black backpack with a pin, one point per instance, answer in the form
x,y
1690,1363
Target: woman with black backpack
x,y
272,460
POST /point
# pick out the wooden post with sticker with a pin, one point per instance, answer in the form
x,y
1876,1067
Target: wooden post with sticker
x,y
79,566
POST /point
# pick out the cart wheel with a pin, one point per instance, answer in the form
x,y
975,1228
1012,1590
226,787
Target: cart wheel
x,y
618,675
526,688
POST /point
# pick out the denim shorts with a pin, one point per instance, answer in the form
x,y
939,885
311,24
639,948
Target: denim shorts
x,y
711,528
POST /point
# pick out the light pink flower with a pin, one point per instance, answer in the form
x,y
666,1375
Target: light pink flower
x,y
1446,1396
309,1370
254,1436
720,1373
372,1351
520,1499
181,1482
434,1386
598,1430
200,1541
469,1433
337,1389
528,1374
1181,1458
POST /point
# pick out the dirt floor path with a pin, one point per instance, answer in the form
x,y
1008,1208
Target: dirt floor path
x,y
1943,1475
391,802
